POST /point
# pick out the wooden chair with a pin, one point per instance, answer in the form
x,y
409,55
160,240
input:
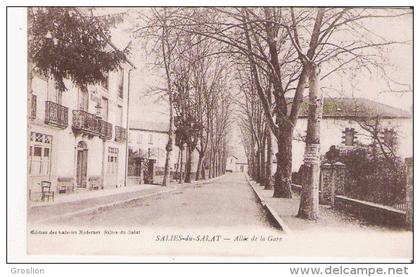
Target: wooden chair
x,y
46,192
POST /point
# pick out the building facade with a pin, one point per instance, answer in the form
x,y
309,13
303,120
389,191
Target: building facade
x,y
77,138
231,164
340,126
148,140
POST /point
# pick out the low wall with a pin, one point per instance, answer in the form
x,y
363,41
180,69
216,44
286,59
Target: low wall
x,y
371,212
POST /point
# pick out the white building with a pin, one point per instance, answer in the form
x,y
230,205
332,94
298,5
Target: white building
x,y
78,137
231,164
339,126
148,140
242,166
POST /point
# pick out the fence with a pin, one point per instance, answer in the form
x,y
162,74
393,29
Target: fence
x,y
333,192
371,212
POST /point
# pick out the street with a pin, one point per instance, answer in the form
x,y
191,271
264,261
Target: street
x,y
228,202
217,216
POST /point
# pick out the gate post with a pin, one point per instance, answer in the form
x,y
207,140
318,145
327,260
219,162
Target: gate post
x,y
151,170
339,172
325,186
141,171
332,182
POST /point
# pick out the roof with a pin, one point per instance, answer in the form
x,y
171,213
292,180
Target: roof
x,y
336,107
150,126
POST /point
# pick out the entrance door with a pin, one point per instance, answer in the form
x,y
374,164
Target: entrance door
x,y
111,173
82,154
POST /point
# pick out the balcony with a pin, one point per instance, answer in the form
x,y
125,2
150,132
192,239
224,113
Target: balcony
x,y
56,114
120,134
86,123
105,129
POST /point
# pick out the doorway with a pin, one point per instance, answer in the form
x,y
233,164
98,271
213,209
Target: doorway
x,y
82,155
111,173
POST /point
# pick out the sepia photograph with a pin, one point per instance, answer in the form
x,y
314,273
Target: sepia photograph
x,y
266,134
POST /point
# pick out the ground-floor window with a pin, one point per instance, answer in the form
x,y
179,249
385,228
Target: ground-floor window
x,y
39,154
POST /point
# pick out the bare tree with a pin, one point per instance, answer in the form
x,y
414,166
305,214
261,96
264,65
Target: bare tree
x,y
252,118
164,42
288,47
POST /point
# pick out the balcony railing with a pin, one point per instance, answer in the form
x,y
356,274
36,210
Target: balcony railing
x,y
106,129
56,114
120,134
86,123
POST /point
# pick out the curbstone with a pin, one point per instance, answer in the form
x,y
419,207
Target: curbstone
x,y
279,222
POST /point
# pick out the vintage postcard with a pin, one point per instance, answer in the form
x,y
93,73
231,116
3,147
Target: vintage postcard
x,y
264,134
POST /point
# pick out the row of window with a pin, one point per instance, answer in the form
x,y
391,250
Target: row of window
x,y
102,108
40,156
139,138
388,136
83,97
120,87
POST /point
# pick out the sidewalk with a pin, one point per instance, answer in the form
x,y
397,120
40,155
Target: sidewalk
x,y
334,234
84,195
79,203
329,220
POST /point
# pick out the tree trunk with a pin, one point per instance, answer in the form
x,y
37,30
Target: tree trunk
x,y
169,145
213,167
203,169
268,183
168,152
178,172
216,165
252,165
257,166
210,163
283,175
180,166
199,166
188,165
309,198
262,164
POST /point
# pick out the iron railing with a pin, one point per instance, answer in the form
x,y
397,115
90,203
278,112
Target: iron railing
x,y
86,123
106,130
56,114
120,134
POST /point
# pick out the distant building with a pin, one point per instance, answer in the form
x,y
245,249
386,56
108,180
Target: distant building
x,y
339,126
231,163
78,137
242,166
148,140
